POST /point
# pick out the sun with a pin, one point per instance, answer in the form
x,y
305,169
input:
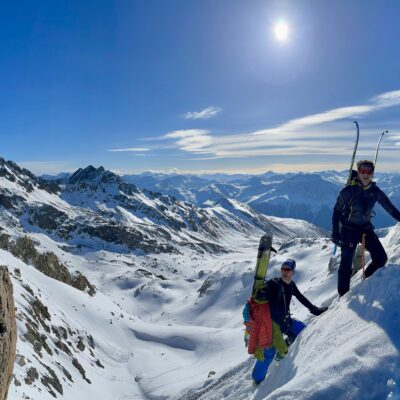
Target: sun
x,y
281,31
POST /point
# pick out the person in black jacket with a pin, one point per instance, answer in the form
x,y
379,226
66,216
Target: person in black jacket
x,y
351,220
279,292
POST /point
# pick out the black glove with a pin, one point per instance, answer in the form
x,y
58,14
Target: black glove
x,y
318,310
336,238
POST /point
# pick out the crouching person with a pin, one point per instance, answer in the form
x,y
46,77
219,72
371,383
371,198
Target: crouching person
x,y
277,294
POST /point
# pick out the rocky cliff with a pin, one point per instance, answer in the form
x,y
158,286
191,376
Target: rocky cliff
x,y
8,332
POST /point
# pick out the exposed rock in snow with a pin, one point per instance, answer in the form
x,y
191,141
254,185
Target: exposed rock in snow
x,y
8,332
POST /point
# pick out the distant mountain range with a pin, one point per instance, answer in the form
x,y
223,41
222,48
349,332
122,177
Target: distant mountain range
x,y
97,208
308,196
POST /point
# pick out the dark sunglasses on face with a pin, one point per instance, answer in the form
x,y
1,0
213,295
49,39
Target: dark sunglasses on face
x,y
286,269
365,170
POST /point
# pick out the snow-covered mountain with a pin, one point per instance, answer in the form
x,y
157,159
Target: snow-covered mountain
x,y
308,196
97,208
98,318
107,275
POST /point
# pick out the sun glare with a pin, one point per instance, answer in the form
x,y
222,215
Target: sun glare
x,y
281,30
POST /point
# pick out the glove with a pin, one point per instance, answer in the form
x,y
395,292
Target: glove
x,y
246,338
336,238
318,310
247,334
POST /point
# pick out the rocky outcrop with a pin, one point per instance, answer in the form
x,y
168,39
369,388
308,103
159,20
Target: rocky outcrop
x,y
131,238
48,217
47,263
8,332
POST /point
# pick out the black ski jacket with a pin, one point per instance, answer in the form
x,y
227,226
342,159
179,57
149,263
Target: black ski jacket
x,y
354,207
279,294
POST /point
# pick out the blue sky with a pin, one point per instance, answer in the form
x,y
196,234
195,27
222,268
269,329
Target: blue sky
x,y
198,85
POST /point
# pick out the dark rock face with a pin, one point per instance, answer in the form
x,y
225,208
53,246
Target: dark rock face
x,y
86,174
113,233
7,201
48,218
8,332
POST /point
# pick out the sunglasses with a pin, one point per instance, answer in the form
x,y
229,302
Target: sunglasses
x,y
365,170
286,269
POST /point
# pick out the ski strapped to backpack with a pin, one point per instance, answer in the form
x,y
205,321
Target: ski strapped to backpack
x,y
351,173
377,148
263,256
350,178
256,314
354,173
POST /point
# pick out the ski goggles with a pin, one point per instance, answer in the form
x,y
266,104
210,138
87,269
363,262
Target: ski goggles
x,y
366,170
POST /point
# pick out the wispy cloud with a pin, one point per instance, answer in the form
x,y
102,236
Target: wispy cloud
x,y
207,113
388,99
191,140
131,149
309,135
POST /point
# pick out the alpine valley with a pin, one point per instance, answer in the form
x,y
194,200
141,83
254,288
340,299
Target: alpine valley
x,y
130,288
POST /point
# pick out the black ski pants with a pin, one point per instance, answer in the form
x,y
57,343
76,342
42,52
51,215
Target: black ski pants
x,y
350,237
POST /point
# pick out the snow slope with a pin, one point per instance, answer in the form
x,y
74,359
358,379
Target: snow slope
x,y
167,325
158,324
350,352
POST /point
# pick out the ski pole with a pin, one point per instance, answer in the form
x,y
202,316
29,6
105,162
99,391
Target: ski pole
x,y
363,255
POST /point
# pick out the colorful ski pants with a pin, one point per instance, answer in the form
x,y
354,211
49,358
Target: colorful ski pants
x,y
261,367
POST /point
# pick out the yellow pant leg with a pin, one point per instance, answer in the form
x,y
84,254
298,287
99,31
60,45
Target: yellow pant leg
x,y
277,340
259,354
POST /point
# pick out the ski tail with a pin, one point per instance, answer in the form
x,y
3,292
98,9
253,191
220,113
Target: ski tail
x,y
350,177
377,147
263,257
256,314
